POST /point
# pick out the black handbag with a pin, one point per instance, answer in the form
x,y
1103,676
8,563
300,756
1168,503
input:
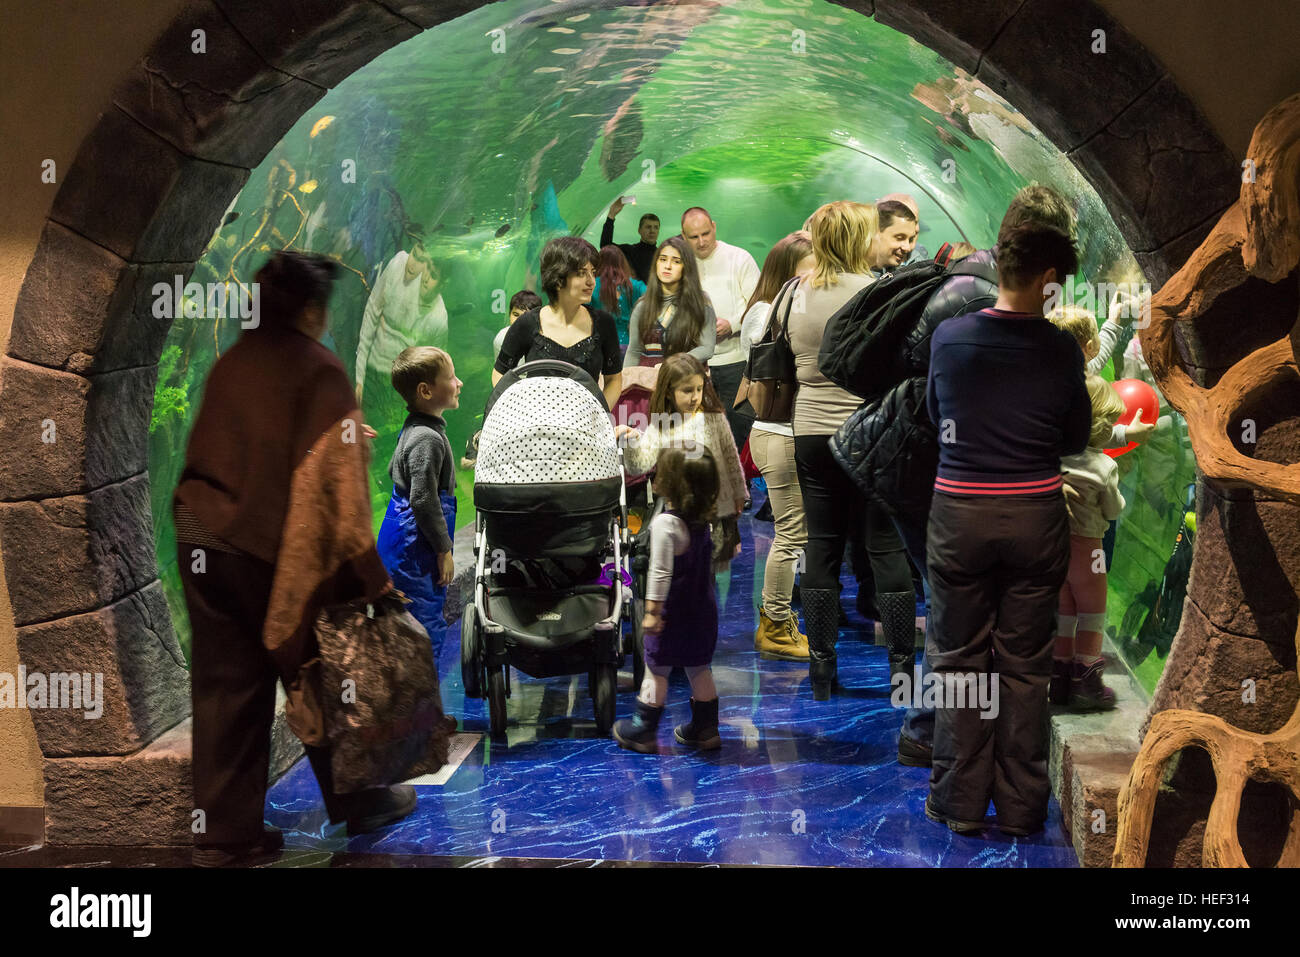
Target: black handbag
x,y
769,383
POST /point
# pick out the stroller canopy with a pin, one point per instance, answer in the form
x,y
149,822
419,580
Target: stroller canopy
x,y
547,430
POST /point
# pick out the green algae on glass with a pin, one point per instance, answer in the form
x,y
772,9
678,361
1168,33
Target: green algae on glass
x,y
487,136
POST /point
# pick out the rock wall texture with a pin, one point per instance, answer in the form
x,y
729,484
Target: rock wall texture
x,y
1223,345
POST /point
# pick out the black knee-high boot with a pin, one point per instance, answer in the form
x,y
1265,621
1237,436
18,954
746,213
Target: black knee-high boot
x,y
898,622
821,607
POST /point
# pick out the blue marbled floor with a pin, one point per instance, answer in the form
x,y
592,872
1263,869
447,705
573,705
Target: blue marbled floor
x,y
795,783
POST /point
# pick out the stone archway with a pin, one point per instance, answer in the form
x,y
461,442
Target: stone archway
x,y
140,202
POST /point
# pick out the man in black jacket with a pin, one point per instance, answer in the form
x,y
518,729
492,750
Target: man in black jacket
x,y
640,254
900,433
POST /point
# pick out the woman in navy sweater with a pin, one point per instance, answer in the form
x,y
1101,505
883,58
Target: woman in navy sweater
x,y
1006,393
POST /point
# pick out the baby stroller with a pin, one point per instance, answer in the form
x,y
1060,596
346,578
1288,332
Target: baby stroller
x,y
552,580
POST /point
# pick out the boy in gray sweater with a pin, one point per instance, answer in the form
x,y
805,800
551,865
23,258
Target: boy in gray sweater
x,y
415,539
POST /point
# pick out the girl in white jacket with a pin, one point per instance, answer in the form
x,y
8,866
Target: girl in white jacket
x,y
685,408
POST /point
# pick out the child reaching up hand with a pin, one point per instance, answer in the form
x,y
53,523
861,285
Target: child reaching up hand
x,y
1093,500
685,409
681,616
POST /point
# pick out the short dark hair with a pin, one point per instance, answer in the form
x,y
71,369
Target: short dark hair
x,y
1030,250
1039,205
891,210
525,299
641,222
290,282
687,475
561,258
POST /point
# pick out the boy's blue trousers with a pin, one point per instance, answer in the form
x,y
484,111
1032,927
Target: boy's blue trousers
x,y
413,564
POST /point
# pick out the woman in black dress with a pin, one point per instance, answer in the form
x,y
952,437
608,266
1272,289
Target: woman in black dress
x,y
567,329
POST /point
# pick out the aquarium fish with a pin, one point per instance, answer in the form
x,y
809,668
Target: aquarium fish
x,y
230,218
320,125
308,187
621,139
503,230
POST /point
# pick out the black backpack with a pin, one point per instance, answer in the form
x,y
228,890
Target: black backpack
x,y
862,346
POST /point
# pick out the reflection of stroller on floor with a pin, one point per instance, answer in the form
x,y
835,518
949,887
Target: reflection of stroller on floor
x,y
550,545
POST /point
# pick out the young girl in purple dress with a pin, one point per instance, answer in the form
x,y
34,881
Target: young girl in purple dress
x,y
681,613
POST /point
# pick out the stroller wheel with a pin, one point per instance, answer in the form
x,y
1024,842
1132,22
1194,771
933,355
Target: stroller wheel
x,y
471,654
604,685
497,702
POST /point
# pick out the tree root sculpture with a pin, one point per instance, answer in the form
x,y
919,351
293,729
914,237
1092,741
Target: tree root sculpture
x,y
1257,238
1238,756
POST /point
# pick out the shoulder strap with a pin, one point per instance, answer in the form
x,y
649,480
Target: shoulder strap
x,y
781,324
401,443
981,270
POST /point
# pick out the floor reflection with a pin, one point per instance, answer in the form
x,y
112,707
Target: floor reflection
x,y
795,783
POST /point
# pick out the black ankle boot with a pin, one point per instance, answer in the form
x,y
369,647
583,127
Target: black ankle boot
x,y
898,622
1058,690
702,730
821,616
641,731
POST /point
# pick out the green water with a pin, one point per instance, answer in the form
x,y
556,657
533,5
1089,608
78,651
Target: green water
x,y
488,144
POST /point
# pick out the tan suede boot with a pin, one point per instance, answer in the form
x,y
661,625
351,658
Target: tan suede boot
x,y
792,629
773,639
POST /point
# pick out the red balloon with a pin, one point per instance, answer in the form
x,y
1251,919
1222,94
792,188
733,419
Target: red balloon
x,y
1137,395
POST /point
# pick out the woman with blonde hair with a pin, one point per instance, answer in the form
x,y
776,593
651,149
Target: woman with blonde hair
x,y
842,234
772,446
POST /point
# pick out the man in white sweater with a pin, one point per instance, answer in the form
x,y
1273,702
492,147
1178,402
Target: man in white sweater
x,y
729,275
405,309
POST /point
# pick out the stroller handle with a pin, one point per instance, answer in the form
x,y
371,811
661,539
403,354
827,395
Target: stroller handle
x,y
545,367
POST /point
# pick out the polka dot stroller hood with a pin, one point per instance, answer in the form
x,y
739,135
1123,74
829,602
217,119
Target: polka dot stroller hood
x,y
547,456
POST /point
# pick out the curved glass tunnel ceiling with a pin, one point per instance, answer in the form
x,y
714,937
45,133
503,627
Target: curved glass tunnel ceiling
x,y
524,120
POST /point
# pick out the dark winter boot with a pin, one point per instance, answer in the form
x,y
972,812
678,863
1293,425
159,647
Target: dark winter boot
x,y
821,616
898,621
1087,691
1058,691
702,730
641,731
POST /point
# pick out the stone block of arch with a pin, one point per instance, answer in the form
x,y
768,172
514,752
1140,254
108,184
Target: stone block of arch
x,y
145,687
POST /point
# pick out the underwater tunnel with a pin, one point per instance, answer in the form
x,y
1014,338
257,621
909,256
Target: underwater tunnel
x,y
482,132
486,136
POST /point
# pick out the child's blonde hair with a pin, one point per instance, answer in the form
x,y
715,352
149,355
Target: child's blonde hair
x,y
1078,322
418,364
1107,407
